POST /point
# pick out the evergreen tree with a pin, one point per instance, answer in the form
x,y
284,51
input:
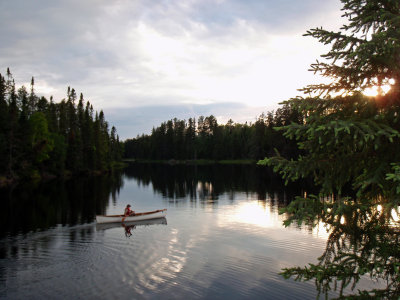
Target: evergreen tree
x,y
74,150
366,54
32,101
40,139
4,122
179,138
62,118
12,130
101,142
169,139
24,128
115,147
351,139
51,115
88,140
190,139
42,104
257,140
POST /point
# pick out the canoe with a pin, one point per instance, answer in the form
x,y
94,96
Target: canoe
x,y
161,213
105,226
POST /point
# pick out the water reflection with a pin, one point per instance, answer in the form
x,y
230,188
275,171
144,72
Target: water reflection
x,y
208,182
254,213
224,239
38,207
30,208
363,240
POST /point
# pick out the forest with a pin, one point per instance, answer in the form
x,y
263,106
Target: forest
x,y
42,139
205,139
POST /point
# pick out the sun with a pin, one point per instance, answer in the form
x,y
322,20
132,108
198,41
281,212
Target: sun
x,y
374,91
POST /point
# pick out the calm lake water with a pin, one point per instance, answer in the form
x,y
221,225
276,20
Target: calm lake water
x,y
222,238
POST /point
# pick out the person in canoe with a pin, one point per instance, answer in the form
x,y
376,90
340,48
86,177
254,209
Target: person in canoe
x,y
128,212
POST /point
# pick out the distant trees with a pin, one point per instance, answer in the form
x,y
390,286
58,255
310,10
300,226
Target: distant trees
x,y
39,137
206,139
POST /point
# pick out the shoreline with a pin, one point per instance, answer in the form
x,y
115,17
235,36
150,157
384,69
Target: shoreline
x,y
192,161
6,182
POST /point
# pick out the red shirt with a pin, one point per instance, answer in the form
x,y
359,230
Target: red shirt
x,y
127,211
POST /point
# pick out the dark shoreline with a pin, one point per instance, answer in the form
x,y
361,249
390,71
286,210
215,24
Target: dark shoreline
x,y
193,162
7,182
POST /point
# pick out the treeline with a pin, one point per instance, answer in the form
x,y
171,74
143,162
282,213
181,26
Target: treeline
x,y
39,137
206,139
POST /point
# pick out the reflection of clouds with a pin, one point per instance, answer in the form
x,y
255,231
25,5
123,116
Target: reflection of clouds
x,y
258,213
234,248
165,268
163,272
253,213
262,214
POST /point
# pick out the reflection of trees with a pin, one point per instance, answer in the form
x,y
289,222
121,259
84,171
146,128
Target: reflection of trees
x,y
208,182
78,200
363,240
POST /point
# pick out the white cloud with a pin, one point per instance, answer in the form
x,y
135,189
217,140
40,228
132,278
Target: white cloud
x,y
151,53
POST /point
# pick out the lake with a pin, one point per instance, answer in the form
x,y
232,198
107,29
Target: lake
x,y
222,238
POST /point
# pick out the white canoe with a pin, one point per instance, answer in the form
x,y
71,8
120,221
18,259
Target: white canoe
x,y
161,213
105,226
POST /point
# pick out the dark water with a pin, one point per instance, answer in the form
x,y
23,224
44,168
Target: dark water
x,y
222,238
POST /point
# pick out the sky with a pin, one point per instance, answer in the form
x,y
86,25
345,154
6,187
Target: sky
x,y
144,62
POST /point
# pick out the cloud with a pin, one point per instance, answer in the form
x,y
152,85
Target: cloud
x,y
283,16
130,54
